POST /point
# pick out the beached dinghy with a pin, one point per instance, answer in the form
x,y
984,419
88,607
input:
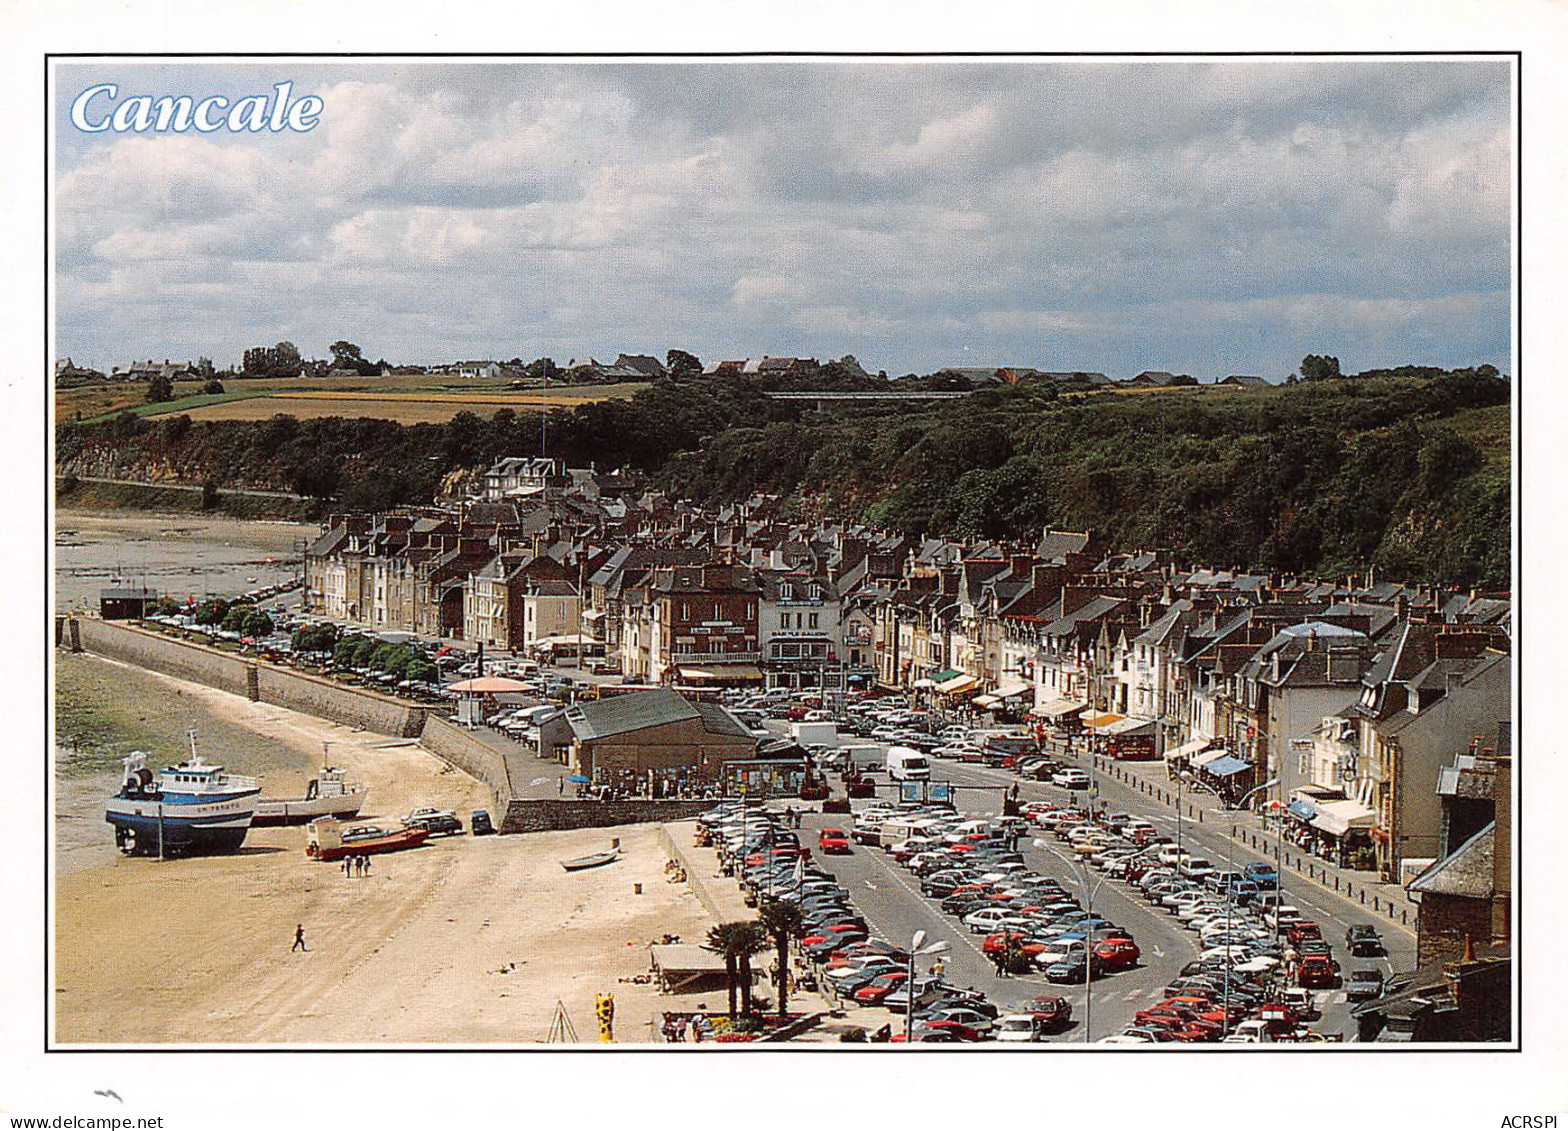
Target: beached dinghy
x,y
595,860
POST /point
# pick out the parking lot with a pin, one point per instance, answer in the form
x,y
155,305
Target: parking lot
x,y
889,896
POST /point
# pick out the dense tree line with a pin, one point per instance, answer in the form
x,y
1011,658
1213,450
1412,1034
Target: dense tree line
x,y
1325,476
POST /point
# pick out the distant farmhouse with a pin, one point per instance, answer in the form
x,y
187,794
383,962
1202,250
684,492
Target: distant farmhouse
x,y
68,372
147,370
1244,381
765,366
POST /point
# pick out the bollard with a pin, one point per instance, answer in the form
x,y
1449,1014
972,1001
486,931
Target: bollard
x,y
1363,894
636,889
1404,915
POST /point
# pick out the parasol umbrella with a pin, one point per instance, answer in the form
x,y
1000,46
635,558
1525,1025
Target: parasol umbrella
x,y
579,779
488,685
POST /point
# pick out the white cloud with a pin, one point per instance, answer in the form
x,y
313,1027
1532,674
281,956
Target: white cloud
x,y
1059,214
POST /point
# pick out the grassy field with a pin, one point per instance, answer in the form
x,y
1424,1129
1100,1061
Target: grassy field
x,y
404,408
407,400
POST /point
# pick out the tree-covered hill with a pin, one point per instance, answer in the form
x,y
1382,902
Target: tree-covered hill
x,y
1408,473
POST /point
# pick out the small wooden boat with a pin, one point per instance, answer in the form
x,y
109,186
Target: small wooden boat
x,y
327,839
594,861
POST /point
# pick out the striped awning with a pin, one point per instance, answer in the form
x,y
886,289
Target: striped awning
x,y
1187,749
1208,756
958,685
1226,766
1056,708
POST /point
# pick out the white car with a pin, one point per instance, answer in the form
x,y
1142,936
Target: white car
x,y
1071,779
1018,1027
1174,903
987,919
865,962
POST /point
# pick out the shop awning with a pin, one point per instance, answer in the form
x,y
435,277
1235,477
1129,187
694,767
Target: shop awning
x,y
1187,749
1056,708
1011,689
958,685
923,684
721,673
1339,817
1098,721
986,702
944,675
1208,756
1128,726
1302,808
1226,766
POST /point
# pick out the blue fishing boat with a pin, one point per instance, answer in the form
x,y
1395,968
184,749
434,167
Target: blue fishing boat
x,y
193,809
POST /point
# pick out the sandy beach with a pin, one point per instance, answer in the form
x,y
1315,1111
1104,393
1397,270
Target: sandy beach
x,y
463,940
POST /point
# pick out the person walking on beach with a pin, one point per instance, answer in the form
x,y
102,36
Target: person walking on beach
x,y
367,864
299,939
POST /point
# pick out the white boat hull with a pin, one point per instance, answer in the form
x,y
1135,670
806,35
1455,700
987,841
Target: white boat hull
x,y
302,810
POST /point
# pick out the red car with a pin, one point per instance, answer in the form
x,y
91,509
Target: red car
x,y
1050,1011
1315,972
1118,954
831,932
958,1031
1301,932
880,987
997,943
1200,1031
833,841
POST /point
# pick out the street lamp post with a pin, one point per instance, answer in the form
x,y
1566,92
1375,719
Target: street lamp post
x,y
1088,947
916,951
1230,899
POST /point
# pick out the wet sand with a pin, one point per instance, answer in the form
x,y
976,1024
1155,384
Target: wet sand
x,y
197,951
175,554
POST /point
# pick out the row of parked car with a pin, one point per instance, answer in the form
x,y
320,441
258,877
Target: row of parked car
x,y
1031,922
853,964
1251,944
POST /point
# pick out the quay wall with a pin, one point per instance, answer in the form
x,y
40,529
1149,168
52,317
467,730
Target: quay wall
x,y
350,706
160,653
253,679
554,815
477,759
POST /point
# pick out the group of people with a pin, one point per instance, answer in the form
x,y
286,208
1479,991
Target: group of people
x,y
674,872
620,785
675,1027
356,865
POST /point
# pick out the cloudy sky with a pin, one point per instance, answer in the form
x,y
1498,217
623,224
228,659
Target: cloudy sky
x,y
1207,218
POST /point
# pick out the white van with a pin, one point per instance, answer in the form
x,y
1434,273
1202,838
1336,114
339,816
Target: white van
x,y
907,764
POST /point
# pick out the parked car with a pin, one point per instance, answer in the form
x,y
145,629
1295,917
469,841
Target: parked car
x,y
438,822
479,823
1264,875
1363,940
1364,984
834,842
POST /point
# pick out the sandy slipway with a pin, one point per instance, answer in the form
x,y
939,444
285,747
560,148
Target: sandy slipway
x,y
465,940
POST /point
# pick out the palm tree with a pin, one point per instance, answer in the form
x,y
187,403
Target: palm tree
x,y
753,940
736,942
782,918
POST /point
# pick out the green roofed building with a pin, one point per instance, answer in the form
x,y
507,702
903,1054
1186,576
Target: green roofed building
x,y
655,730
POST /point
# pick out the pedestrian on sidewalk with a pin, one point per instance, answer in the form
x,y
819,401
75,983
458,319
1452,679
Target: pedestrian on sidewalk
x,y
560,785
299,939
